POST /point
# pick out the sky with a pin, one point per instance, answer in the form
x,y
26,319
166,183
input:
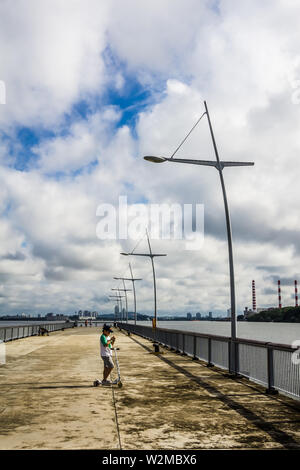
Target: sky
x,y
90,87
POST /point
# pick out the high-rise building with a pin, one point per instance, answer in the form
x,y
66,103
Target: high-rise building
x,y
117,311
189,316
210,315
198,316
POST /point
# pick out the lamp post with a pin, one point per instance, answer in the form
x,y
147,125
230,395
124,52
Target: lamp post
x,y
119,296
115,307
118,289
119,299
219,165
133,287
116,298
151,256
126,302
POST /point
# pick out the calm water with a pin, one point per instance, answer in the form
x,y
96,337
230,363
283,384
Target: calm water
x,y
284,333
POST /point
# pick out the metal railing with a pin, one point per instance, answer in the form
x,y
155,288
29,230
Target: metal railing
x,y
94,323
267,364
9,333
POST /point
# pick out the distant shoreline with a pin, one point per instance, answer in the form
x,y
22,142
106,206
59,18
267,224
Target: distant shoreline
x,y
259,319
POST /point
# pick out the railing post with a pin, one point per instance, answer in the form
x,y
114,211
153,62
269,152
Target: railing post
x,y
195,358
271,389
183,344
229,356
209,363
233,358
170,342
177,343
237,358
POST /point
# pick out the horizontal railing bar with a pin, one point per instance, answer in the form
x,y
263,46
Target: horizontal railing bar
x,y
34,324
32,329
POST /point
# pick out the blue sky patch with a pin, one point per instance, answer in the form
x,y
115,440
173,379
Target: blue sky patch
x,y
130,98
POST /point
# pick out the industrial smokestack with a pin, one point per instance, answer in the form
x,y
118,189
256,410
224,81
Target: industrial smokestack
x,y
279,295
253,297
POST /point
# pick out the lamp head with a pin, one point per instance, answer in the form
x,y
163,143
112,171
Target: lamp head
x,y
125,254
153,159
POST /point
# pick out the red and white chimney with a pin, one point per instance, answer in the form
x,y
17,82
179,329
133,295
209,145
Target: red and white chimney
x,y
253,297
279,295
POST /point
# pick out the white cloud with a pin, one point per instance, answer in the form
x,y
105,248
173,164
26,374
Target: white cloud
x,y
241,57
50,56
82,145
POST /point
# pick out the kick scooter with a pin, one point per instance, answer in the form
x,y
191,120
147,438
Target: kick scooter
x,y
117,381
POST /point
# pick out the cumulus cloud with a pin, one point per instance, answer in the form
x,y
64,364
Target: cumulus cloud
x,y
50,56
60,58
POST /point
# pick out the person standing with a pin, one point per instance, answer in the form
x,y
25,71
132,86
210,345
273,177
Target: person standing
x,y
106,345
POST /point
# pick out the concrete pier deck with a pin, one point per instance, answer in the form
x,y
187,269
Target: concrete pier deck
x,y
47,400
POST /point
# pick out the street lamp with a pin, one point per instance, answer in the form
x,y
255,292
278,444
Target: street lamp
x,y
118,289
219,165
119,300
124,290
133,287
151,256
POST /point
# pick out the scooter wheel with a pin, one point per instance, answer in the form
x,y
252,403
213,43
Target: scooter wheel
x,y
120,385
96,383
